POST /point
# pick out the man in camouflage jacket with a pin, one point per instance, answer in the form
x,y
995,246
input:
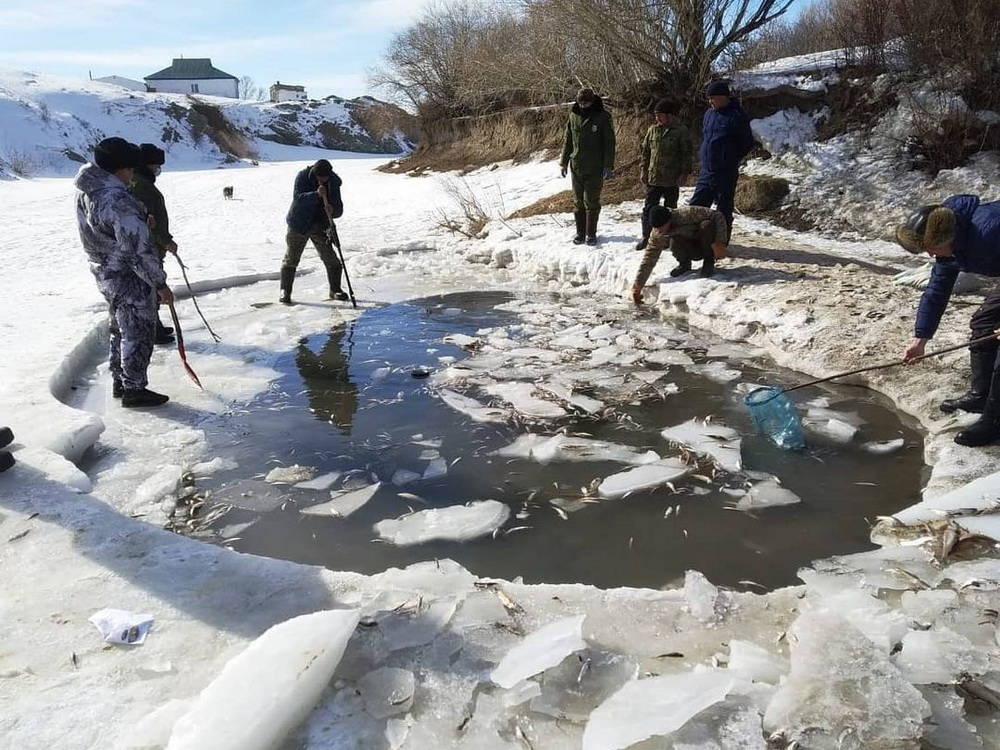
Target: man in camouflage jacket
x,y
589,151
122,257
666,162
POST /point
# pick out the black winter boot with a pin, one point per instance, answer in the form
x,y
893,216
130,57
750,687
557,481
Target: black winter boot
x,y
6,436
987,429
592,217
333,277
164,335
982,362
681,269
117,389
581,227
708,266
143,398
6,461
287,279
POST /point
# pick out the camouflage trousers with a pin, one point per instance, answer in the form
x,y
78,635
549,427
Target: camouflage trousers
x,y
132,328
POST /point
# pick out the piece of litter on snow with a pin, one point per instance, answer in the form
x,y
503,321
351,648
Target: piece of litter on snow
x,y
119,626
290,474
457,523
543,648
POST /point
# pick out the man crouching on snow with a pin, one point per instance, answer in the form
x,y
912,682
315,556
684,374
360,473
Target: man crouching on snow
x,y
692,232
123,259
962,234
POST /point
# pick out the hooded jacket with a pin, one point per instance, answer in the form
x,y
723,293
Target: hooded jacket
x,y
725,139
589,143
307,212
975,248
114,234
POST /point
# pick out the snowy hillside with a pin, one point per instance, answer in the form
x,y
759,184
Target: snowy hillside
x,y
48,124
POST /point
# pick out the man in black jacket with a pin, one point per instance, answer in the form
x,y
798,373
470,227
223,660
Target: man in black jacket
x,y
315,203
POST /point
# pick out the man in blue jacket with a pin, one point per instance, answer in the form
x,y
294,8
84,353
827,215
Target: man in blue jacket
x,y
962,234
725,139
315,202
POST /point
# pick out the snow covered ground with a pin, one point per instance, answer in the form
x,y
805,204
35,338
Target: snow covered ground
x,y
441,659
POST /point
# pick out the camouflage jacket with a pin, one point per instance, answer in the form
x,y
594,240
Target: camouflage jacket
x,y
114,233
686,222
143,187
589,142
666,154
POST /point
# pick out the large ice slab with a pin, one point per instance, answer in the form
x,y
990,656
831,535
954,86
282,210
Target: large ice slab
x,y
544,648
456,523
521,397
545,449
720,443
266,691
756,663
471,408
939,656
654,707
643,477
343,504
580,683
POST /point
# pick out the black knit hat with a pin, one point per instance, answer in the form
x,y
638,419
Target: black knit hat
x,y
152,154
659,216
322,168
665,107
585,95
717,88
113,154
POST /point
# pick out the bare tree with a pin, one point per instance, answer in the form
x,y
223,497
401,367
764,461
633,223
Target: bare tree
x,y
248,89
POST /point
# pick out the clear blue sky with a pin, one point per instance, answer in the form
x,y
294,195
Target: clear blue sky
x,y
326,45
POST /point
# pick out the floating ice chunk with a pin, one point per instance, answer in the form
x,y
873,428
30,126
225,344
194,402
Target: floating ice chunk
x,y
881,624
574,341
451,312
460,339
605,331
207,468
720,443
521,396
716,371
883,447
545,449
643,477
343,504
820,413
654,707
540,650
380,373
939,656
755,663
402,477
568,505
438,467
670,357
429,454
926,606
457,523
322,482
834,429
705,602
580,683
387,691
565,393
841,679
531,352
651,376
164,482
602,356
471,408
767,494
265,692
290,474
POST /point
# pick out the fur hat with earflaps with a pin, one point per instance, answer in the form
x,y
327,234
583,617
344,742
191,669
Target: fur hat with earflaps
x,y
928,226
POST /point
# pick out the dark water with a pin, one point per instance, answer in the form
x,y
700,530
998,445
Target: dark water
x,y
327,411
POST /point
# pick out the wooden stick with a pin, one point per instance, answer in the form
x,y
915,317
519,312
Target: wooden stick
x,y
884,365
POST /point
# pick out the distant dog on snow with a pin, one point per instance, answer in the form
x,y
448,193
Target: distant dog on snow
x,y
227,192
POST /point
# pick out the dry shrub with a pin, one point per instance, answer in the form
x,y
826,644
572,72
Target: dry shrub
x,y
472,214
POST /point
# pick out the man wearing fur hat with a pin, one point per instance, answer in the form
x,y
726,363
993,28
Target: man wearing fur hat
x,y
589,152
666,162
961,234
725,139
315,202
143,187
122,257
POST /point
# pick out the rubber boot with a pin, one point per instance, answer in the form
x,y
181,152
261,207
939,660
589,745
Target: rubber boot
x,y
6,461
6,436
143,398
333,277
987,429
708,266
287,279
163,334
592,217
581,227
681,269
117,389
982,362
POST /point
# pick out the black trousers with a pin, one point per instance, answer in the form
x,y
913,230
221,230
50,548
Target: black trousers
x,y
985,320
655,194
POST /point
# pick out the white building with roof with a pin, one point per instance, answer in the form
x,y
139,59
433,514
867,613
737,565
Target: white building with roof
x,y
285,92
193,75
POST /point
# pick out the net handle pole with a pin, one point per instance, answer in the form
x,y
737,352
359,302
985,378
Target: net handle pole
x,y
993,336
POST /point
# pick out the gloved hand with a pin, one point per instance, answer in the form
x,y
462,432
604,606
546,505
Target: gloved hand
x,y
608,174
562,170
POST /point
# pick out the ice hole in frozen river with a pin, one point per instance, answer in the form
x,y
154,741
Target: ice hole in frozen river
x,y
347,404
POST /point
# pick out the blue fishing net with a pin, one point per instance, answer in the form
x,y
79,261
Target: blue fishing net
x,y
773,415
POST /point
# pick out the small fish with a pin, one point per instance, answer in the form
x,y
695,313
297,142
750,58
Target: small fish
x,y
19,536
701,478
866,484
670,655
631,540
560,512
517,528
668,512
76,661
411,496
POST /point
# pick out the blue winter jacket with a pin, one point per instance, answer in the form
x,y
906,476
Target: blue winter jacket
x,y
725,139
976,249
306,211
